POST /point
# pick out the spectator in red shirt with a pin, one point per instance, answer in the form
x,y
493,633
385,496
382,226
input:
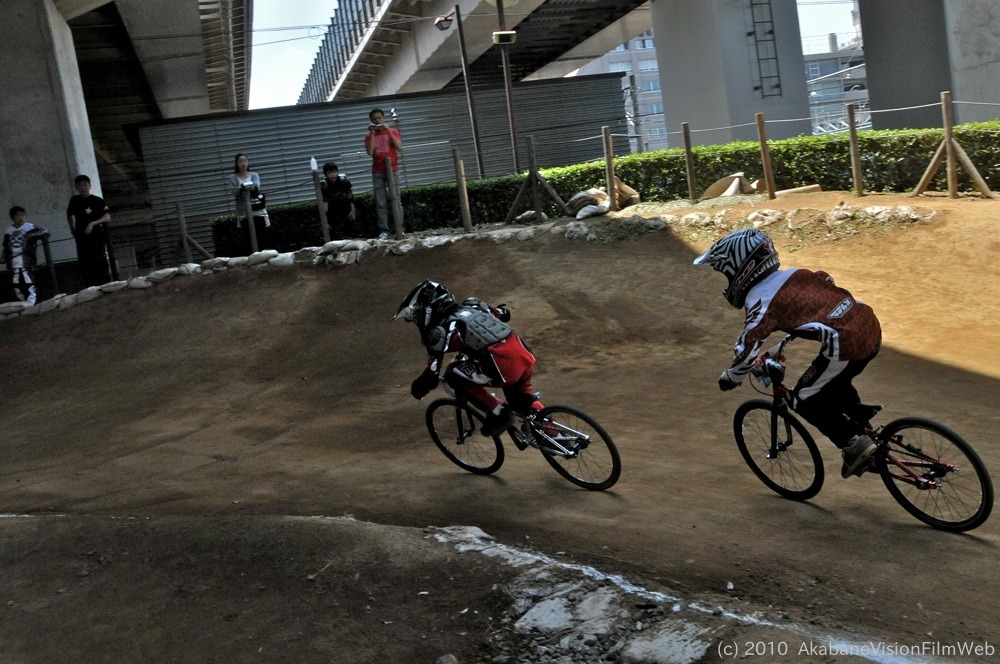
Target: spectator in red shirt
x,y
383,142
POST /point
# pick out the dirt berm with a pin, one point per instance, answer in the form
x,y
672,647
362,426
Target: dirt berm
x,y
178,460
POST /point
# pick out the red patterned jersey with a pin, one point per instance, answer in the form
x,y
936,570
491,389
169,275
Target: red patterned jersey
x,y
811,306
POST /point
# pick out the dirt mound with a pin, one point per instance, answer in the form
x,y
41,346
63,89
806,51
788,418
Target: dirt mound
x,y
171,449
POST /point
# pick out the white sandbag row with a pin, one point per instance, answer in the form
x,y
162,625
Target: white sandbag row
x,y
339,253
332,254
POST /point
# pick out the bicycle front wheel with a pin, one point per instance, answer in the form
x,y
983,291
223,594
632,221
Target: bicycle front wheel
x,y
454,428
935,475
585,454
783,456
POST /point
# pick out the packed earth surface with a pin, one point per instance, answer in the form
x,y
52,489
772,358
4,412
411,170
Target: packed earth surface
x,y
228,466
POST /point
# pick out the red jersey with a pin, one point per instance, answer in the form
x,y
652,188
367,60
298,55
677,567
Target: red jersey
x,y
811,306
382,148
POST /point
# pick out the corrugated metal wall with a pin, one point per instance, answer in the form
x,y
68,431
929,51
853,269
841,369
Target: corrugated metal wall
x,y
189,161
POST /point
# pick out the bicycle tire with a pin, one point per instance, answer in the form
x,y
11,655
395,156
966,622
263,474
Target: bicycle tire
x,y
963,500
594,463
454,428
797,473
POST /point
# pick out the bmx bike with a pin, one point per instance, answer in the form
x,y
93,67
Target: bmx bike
x,y
928,469
570,440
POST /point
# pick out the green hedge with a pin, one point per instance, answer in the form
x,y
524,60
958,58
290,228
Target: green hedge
x,y
891,161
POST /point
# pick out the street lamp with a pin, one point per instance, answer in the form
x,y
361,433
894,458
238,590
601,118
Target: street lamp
x,y
505,38
443,23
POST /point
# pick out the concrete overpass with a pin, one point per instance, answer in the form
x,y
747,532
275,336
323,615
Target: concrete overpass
x,y
385,47
79,75
719,61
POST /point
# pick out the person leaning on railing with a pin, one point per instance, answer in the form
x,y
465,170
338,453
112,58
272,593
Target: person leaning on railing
x,y
240,181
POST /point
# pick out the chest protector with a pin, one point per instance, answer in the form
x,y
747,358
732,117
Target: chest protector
x,y
481,329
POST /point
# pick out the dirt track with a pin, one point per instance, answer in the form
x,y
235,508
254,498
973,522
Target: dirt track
x,y
175,431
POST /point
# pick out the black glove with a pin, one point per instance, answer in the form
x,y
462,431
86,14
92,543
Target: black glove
x,y
423,384
502,313
726,383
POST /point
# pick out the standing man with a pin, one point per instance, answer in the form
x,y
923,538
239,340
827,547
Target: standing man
x,y
381,142
88,216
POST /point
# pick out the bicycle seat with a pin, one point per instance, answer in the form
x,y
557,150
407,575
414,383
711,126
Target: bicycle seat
x,y
522,406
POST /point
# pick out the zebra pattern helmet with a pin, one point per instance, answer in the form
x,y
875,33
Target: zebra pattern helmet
x,y
426,305
745,256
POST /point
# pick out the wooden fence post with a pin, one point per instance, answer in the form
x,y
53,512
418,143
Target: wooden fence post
x,y
251,226
52,268
112,261
188,241
609,167
184,232
950,149
536,193
463,192
765,157
928,175
533,182
949,144
318,190
689,164
973,172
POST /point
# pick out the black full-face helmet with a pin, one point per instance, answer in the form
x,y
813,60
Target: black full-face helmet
x,y
426,305
745,256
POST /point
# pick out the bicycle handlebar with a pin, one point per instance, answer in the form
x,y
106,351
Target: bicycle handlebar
x,y
769,366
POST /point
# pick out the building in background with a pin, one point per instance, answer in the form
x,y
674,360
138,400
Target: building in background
x,y
835,76
635,60
836,79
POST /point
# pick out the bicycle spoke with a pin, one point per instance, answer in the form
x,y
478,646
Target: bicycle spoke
x,y
953,492
786,461
789,464
578,447
454,428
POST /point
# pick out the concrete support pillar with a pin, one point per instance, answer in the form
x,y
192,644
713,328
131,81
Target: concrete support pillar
x,y
974,56
45,136
708,54
906,54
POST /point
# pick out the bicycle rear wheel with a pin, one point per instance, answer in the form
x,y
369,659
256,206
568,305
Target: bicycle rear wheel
x,y
454,428
794,467
952,489
591,459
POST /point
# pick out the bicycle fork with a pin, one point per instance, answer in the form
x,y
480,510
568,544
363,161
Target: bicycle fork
x,y
466,426
777,447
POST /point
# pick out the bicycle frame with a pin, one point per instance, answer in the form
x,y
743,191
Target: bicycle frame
x,y
528,431
921,481
770,369
961,492
772,373
532,432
